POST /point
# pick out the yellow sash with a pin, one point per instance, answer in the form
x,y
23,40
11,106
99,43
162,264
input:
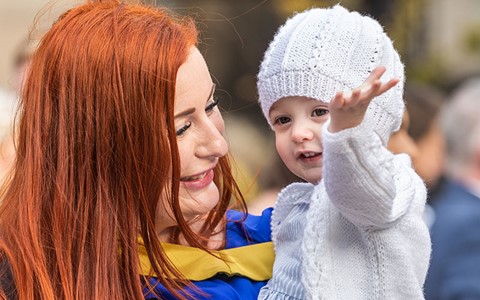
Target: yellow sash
x,y
253,261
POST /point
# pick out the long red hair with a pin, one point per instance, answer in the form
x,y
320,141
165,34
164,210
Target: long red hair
x,y
97,156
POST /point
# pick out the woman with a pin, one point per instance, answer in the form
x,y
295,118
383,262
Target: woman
x,y
121,185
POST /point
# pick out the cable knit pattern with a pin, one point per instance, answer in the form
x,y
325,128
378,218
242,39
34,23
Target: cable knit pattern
x,y
360,230
367,238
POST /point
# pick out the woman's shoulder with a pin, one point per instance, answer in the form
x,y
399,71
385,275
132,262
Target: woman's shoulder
x,y
243,230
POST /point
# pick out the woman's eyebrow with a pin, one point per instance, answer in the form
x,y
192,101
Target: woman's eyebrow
x,y
185,113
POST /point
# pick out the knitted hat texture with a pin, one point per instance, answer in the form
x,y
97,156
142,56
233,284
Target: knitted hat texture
x,y
321,51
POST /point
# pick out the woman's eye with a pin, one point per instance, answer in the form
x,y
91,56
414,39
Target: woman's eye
x,y
211,105
182,129
281,120
318,112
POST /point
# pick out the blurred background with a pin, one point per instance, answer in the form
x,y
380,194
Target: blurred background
x,y
439,41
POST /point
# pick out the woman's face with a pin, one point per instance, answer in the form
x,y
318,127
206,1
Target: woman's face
x,y
200,136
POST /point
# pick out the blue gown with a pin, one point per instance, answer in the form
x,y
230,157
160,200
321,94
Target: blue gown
x,y
254,230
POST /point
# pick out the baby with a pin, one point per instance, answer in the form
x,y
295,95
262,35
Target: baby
x,y
331,87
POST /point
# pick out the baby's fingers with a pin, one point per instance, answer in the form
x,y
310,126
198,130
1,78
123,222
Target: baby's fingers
x,y
337,101
355,97
385,87
375,75
372,91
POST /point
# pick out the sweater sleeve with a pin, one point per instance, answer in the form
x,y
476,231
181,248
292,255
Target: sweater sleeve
x,y
368,184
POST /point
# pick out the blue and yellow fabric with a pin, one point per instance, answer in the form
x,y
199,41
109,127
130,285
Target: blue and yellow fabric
x,y
236,272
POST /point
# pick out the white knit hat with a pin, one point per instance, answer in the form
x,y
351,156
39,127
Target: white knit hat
x,y
319,52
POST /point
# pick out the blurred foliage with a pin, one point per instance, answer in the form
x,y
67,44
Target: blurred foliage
x,y
405,29
472,39
430,71
286,8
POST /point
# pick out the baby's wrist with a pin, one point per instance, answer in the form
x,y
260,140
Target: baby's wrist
x,y
335,127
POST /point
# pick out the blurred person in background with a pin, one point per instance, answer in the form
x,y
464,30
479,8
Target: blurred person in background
x,y
401,141
9,103
421,138
424,103
455,265
22,60
420,135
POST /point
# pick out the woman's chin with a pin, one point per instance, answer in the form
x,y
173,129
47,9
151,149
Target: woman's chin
x,y
198,203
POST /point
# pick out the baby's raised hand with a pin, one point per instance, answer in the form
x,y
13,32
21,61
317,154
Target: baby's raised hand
x,y
347,109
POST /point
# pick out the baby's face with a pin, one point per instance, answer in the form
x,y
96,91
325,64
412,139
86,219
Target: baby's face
x,y
298,122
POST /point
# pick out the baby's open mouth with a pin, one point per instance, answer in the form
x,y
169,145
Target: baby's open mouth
x,y
310,154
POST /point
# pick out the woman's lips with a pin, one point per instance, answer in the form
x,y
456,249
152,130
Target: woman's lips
x,y
198,182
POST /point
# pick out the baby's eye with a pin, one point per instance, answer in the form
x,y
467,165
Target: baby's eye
x,y
211,104
183,129
281,120
319,112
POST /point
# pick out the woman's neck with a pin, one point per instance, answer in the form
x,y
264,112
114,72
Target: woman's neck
x,y
216,241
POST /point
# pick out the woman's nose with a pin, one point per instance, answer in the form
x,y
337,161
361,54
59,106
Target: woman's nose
x,y
213,142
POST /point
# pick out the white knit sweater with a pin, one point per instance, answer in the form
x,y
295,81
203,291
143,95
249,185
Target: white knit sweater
x,y
360,235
